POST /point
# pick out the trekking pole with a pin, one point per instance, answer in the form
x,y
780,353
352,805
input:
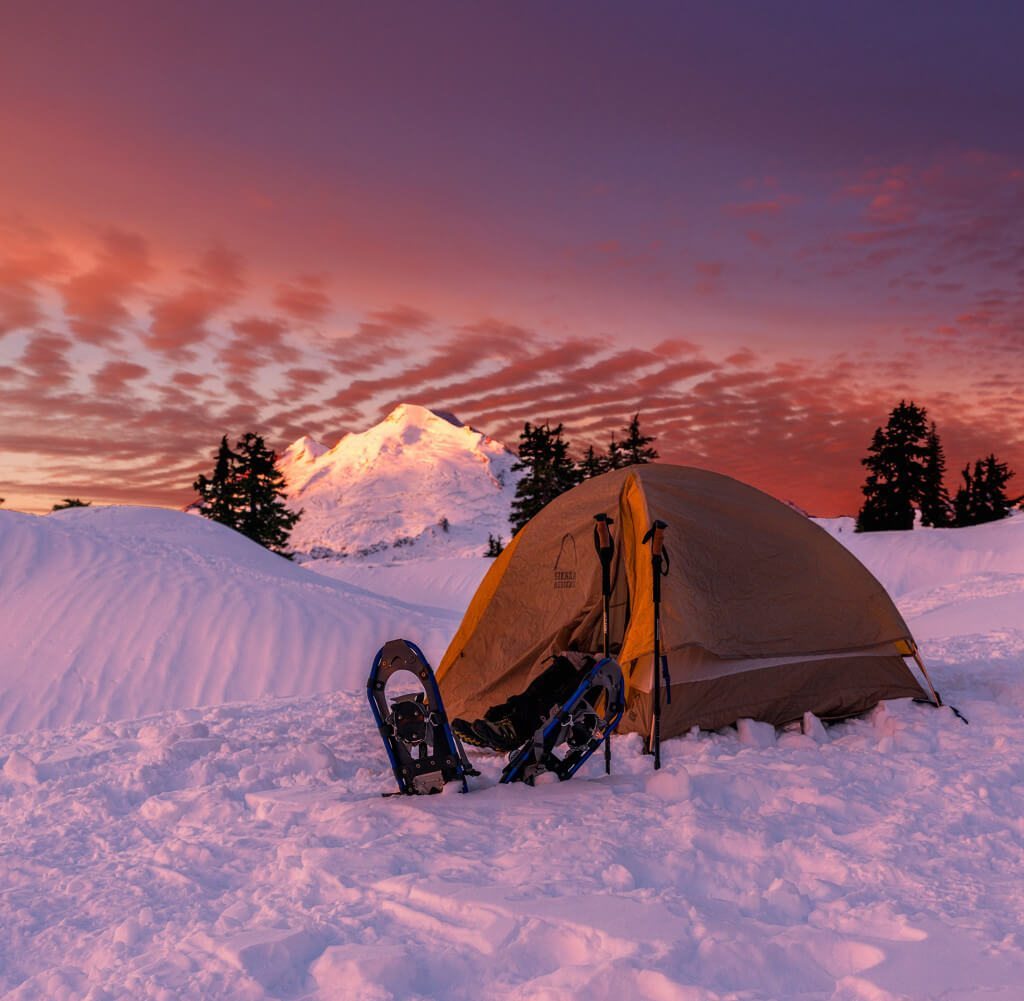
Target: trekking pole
x,y
656,537
605,548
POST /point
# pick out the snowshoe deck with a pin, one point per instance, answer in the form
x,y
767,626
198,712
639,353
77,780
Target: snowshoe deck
x,y
580,724
423,751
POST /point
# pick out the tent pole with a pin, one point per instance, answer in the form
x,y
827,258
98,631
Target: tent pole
x,y
656,537
605,548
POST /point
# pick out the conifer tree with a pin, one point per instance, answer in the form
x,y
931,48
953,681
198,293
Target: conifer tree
x,y
983,498
246,492
494,546
219,495
965,509
591,464
613,458
544,457
635,448
936,508
896,471
70,502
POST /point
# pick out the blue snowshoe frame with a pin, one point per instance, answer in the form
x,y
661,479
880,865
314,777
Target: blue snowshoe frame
x,y
538,754
438,757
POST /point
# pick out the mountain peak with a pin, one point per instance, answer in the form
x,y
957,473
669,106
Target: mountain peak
x,y
413,413
303,450
420,481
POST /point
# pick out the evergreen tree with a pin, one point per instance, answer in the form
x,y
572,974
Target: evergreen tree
x,y
591,464
246,492
983,496
263,516
965,503
896,471
614,458
635,448
495,546
544,457
936,508
70,502
219,498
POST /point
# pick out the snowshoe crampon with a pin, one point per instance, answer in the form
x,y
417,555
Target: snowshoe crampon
x,y
572,731
423,751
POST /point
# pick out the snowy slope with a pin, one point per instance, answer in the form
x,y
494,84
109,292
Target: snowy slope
x,y
947,581
244,852
115,612
384,492
447,582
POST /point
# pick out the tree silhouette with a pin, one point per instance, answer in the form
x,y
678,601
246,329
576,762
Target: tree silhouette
x,y
246,493
936,508
70,502
983,497
591,464
544,457
896,464
635,447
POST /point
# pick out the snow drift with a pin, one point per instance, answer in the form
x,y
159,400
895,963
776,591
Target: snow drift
x,y
115,612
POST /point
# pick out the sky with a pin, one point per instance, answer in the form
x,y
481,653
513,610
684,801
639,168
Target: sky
x,y
759,225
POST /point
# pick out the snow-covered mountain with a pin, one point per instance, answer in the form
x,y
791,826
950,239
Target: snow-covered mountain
x,y
418,483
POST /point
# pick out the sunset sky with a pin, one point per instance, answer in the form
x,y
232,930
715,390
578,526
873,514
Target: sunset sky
x,y
760,225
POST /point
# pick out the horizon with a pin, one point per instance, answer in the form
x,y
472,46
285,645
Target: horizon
x,y
761,232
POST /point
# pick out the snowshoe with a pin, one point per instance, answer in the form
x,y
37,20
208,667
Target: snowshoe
x,y
580,725
423,751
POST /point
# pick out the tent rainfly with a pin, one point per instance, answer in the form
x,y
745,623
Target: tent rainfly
x,y
764,615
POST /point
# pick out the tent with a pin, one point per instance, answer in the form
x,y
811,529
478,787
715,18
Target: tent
x,y
764,614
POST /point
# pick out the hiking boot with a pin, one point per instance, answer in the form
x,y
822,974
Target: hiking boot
x,y
499,735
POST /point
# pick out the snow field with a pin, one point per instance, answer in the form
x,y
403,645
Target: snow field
x,y
244,851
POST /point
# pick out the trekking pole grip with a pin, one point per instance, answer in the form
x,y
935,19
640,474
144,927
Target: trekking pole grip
x,y
657,534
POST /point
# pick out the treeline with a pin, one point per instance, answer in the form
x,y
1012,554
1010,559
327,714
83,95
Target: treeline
x,y
549,469
906,467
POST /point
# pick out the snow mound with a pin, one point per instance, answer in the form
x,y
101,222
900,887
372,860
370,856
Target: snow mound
x,y
417,483
115,612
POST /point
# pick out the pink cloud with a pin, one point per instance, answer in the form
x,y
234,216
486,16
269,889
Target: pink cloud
x,y
94,300
304,299
114,376
181,320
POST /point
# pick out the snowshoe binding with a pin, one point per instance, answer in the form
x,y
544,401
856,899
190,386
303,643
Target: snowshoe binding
x,y
423,751
572,731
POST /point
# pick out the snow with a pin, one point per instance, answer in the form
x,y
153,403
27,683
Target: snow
x,y
392,490
116,612
242,849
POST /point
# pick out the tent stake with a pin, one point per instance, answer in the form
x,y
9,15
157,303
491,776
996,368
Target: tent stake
x,y
605,548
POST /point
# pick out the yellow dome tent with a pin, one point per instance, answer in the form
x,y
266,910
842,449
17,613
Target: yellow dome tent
x,y
764,615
